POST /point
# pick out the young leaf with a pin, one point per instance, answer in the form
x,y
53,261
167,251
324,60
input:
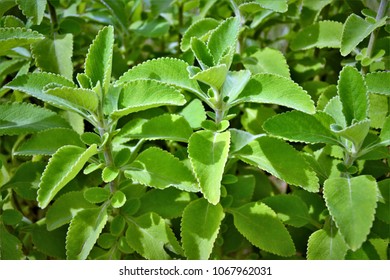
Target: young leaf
x,y
261,226
298,126
322,34
355,30
65,208
326,244
16,37
55,55
334,108
274,89
109,174
355,133
33,10
353,94
167,70
208,153
352,203
198,29
149,234
199,228
83,232
202,53
10,246
96,194
214,76
281,160
118,199
63,166
47,142
160,169
141,95
13,120
268,61
234,83
378,82
290,209
167,127
223,38
98,63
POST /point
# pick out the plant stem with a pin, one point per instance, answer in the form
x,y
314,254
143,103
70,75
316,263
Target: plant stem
x,y
380,14
53,17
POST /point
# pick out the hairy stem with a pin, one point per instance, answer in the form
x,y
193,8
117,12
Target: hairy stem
x,y
380,14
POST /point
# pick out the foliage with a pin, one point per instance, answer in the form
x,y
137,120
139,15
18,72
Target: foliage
x,y
194,129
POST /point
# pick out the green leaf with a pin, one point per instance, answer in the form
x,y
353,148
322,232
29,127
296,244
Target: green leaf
x,y
26,179
326,244
83,98
11,217
65,208
160,169
274,89
268,61
199,228
118,11
51,243
11,37
117,225
167,70
378,110
98,63
355,31
281,160
242,190
96,194
233,84
279,6
10,246
223,38
254,116
109,174
208,153
166,127
290,209
194,113
47,142
35,83
118,199
261,226
13,120
378,82
198,29
353,94
239,139
214,76
334,108
355,133
298,126
63,166
202,53
352,203
322,34
385,132
168,203
33,9
149,235
55,55
141,95
83,232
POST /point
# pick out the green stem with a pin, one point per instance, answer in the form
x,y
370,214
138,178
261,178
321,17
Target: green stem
x,y
53,17
380,14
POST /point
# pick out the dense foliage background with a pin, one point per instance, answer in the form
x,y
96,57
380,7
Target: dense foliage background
x,y
249,130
